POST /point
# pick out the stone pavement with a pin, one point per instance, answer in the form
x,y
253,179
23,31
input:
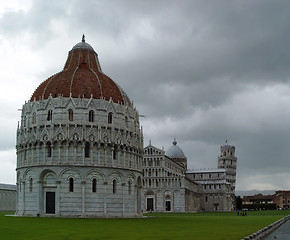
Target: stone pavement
x,y
282,233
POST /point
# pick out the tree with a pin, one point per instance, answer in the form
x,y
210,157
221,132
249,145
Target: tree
x,y
239,202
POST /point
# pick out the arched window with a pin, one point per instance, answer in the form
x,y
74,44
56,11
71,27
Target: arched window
x,y
30,184
70,115
87,150
71,184
49,149
126,121
129,187
49,115
34,118
110,118
114,153
24,121
206,199
91,116
94,185
114,186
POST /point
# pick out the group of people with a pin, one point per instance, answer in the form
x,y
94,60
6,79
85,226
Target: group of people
x,y
241,213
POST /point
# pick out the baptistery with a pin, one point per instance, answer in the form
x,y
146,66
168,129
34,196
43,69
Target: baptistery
x,y
79,145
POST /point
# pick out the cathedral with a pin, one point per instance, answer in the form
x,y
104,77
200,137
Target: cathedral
x,y
168,186
80,153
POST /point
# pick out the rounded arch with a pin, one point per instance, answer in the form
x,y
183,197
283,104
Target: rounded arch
x,y
67,170
131,176
27,175
115,175
94,173
44,172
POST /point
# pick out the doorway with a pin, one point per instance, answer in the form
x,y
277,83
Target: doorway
x,y
150,207
167,206
50,202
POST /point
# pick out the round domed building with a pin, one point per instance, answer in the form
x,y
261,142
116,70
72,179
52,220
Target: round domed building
x,y
79,145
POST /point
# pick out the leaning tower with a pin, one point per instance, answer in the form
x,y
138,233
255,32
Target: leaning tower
x,y
228,161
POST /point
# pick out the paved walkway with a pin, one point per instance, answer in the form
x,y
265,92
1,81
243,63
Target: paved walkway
x,y
282,233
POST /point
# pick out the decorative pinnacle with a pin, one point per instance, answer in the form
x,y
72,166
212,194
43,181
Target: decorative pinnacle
x,y
83,38
174,142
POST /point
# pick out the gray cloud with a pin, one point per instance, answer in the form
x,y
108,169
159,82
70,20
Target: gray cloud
x,y
199,71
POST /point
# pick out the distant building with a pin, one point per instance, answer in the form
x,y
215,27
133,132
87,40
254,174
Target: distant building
x,y
281,199
7,197
168,186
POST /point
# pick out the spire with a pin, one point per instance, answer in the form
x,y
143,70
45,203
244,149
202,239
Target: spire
x,y
83,38
174,142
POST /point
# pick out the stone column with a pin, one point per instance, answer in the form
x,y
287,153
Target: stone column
x,y
32,155
67,151
135,198
92,152
83,199
124,158
75,152
119,156
105,149
112,156
83,147
98,153
123,199
105,197
23,198
57,198
59,150
52,155
40,198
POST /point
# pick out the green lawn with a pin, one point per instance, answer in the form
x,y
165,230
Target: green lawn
x,y
214,225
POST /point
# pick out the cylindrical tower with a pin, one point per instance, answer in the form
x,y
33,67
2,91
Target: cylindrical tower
x,y
79,144
228,161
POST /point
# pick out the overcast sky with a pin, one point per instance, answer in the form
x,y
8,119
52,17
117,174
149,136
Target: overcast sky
x,y
200,71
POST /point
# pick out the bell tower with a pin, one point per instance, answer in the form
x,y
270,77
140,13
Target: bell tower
x,y
228,161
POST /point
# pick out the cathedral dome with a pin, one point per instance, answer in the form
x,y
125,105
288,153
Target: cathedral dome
x,y
175,152
82,76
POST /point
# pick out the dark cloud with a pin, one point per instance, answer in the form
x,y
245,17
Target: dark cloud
x,y
199,71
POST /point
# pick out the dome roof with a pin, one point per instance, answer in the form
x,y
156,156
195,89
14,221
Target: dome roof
x,y
83,45
175,152
81,76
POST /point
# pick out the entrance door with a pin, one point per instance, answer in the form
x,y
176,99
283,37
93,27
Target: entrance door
x,y
150,205
50,202
168,206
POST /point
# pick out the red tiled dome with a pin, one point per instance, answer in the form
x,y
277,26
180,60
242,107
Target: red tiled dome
x,y
82,76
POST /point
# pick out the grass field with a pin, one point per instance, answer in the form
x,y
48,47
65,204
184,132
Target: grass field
x,y
213,225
